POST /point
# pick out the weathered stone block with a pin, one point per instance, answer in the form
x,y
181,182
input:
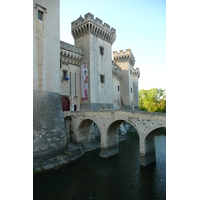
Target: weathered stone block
x,y
147,159
108,152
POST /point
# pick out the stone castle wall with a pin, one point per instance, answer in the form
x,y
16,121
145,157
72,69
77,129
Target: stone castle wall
x,y
71,57
46,34
91,35
100,93
49,135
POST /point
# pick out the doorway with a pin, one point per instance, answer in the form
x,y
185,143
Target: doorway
x,y
65,104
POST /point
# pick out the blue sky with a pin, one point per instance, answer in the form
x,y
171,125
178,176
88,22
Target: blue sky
x,y
140,25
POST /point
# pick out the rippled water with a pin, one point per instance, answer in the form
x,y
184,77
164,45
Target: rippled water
x,y
119,177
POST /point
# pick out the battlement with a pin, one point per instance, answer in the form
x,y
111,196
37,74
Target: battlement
x,y
69,47
116,67
122,56
88,24
116,70
70,54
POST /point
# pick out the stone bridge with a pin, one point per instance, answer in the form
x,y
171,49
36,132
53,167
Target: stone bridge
x,y
108,122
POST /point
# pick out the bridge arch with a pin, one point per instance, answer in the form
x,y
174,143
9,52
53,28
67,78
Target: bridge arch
x,y
153,131
148,147
108,122
83,130
110,138
115,124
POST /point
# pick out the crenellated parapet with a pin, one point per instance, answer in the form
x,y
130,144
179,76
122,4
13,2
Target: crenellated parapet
x,y
116,71
136,72
88,24
122,56
70,54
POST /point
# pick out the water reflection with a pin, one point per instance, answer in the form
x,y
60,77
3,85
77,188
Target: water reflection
x,y
119,177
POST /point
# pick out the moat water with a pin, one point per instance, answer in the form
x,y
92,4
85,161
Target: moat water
x,y
119,177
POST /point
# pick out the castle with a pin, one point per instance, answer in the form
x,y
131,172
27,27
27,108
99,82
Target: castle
x,y
111,84
85,76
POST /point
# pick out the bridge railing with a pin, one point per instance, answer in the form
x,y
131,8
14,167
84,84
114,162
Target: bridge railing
x,y
68,113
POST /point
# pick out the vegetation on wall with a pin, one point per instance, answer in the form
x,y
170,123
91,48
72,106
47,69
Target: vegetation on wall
x,y
153,100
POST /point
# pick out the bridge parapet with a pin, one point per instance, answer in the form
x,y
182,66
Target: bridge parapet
x,y
118,114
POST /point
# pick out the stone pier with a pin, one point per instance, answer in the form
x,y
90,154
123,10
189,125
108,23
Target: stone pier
x,y
108,122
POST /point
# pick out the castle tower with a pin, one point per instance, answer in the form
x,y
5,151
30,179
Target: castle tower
x,y
129,85
95,39
49,137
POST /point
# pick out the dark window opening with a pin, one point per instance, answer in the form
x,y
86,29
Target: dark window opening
x,y
102,78
118,87
130,71
101,50
131,90
65,76
40,15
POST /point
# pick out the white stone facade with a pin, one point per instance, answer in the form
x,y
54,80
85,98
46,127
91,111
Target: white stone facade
x,y
49,133
119,89
70,60
46,34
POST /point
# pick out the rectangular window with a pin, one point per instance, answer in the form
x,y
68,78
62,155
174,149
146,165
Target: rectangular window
x,y
118,87
40,15
101,50
102,78
131,90
40,12
65,76
130,71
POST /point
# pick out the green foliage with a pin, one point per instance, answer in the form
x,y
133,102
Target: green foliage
x,y
153,100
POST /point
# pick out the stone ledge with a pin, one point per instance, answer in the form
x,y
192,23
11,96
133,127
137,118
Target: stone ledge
x,y
73,152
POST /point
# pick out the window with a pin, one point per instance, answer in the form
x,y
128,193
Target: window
x,y
102,78
40,12
130,71
118,87
65,76
101,50
40,15
131,90
64,73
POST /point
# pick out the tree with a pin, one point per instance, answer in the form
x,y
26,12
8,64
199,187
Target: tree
x,y
153,100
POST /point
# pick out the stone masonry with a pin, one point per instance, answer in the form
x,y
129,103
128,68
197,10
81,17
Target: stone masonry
x,y
49,135
108,123
129,83
91,35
